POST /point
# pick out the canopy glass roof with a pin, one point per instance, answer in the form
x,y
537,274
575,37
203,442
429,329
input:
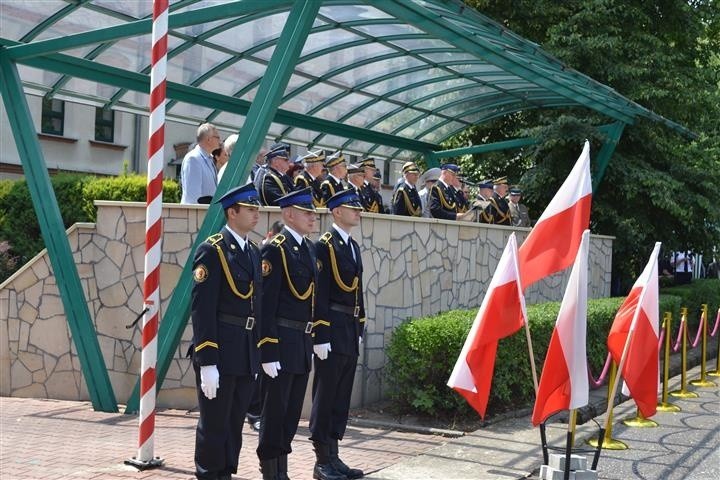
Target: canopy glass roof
x,y
407,74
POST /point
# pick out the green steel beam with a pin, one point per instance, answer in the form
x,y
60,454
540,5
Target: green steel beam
x,y
139,82
49,21
142,27
429,22
53,232
488,147
260,116
613,132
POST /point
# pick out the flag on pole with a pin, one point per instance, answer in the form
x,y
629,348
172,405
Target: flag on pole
x,y
564,381
636,324
501,314
553,242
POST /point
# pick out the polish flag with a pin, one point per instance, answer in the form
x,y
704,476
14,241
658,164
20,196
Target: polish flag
x,y
553,242
635,329
501,314
564,381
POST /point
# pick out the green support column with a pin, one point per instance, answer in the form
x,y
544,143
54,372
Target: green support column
x,y
431,159
251,136
53,233
613,131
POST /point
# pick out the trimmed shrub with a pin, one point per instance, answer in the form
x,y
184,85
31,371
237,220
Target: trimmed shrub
x,y
126,188
692,296
19,224
422,353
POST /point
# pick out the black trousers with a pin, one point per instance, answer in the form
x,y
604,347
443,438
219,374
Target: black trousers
x,y
218,436
281,411
332,388
255,409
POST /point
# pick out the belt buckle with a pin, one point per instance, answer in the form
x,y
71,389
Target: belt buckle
x,y
308,327
249,323
356,312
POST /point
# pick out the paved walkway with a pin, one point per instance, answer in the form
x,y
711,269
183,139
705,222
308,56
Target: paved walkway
x,y
52,439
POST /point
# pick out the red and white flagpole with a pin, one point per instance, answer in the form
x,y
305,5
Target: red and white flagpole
x,y
153,237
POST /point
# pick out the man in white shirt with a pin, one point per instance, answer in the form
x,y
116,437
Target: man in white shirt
x,y
198,177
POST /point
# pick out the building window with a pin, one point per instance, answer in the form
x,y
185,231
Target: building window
x,y
53,116
104,125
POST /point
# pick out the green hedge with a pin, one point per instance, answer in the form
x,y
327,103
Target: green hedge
x,y
128,188
693,296
75,194
422,353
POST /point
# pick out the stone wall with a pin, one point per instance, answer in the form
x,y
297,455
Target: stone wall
x,y
413,268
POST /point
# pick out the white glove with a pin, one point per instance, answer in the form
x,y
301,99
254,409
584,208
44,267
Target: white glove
x,y
321,350
209,380
359,341
271,369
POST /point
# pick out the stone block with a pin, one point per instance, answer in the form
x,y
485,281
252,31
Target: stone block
x,y
61,385
32,361
36,390
586,475
20,376
113,295
50,336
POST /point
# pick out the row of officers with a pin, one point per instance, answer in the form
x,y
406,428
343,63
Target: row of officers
x,y
263,318
441,194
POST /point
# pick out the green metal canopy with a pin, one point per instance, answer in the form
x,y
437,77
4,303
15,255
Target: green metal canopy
x,y
406,74
394,78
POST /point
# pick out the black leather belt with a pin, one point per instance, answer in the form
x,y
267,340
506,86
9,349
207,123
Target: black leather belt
x,y
295,324
247,322
354,311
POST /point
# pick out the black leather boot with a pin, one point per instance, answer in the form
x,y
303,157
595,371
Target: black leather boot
x,y
269,469
323,470
339,465
283,468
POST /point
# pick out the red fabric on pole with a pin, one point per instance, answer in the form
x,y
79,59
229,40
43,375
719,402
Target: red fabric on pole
x,y
637,322
553,242
501,314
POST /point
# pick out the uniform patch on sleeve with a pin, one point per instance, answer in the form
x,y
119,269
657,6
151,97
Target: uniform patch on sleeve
x,y
319,265
200,274
266,267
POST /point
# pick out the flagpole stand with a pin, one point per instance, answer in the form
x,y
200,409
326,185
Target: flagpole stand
x,y
638,421
607,442
684,392
703,381
664,405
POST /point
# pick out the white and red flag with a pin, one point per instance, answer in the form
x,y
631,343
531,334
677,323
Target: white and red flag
x,y
564,380
553,242
634,334
501,314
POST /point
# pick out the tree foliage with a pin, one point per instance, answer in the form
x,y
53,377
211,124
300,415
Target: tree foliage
x,y
659,185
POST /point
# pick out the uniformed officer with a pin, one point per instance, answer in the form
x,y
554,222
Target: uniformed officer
x,y
369,197
443,202
226,310
356,180
335,181
501,211
339,326
312,175
483,204
518,212
427,180
275,183
406,199
289,269
461,189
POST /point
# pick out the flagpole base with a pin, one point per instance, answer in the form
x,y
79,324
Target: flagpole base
x,y
703,383
668,407
640,422
145,465
684,394
609,444
714,373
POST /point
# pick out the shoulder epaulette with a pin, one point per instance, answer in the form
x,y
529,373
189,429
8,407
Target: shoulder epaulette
x,y
214,239
326,238
278,240
254,244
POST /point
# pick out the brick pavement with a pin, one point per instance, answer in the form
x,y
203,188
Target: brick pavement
x,y
56,439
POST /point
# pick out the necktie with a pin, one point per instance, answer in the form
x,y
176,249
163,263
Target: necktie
x,y
350,248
